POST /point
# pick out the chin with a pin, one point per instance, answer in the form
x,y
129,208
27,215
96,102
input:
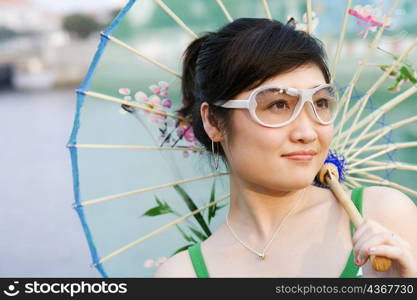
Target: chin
x,y
295,184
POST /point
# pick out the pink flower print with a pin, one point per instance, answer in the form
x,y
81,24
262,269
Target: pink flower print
x,y
155,89
167,103
164,94
369,18
155,101
149,263
304,26
164,85
155,118
180,131
189,135
124,91
141,97
160,260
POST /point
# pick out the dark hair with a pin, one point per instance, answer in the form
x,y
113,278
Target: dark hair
x,y
241,55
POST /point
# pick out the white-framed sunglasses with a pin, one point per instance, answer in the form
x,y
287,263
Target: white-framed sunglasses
x,y
277,106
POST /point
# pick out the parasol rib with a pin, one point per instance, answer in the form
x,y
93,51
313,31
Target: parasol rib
x,y
388,149
340,42
176,18
382,110
374,162
350,181
387,166
367,145
161,229
391,126
266,9
378,113
348,93
349,185
382,181
364,100
147,58
134,147
309,16
130,103
385,146
152,188
223,8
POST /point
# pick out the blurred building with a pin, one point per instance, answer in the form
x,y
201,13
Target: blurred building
x,y
35,52
22,16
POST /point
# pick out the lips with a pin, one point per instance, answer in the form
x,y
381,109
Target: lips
x,y
303,155
302,152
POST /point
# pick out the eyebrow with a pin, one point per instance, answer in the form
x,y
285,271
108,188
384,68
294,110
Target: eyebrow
x,y
317,85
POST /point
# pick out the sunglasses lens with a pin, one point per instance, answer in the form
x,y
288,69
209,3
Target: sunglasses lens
x,y
274,106
326,103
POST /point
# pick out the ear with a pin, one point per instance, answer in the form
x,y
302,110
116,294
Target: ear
x,y
212,131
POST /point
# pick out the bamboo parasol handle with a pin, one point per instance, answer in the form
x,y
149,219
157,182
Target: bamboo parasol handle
x,y
329,176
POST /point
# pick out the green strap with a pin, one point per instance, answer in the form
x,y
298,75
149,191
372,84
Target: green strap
x,y
351,269
357,195
198,261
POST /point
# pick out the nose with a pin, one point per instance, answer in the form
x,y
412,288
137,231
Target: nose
x,y
303,127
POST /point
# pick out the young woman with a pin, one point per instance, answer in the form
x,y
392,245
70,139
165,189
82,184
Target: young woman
x,y
260,97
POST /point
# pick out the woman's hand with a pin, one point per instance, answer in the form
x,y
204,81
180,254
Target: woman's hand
x,y
371,238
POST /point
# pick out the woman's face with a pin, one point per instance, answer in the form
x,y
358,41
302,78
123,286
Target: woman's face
x,y
258,154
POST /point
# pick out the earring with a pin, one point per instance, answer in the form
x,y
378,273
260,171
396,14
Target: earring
x,y
216,157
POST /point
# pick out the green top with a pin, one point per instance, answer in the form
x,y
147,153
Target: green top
x,y
350,271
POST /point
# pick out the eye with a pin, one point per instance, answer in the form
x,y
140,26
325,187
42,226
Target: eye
x,y
280,105
322,103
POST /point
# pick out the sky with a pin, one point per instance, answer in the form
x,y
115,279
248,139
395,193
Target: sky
x,y
69,6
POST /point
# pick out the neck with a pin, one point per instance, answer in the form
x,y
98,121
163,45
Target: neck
x,y
256,213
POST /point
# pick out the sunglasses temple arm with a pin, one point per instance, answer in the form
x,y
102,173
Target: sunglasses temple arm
x,y
236,104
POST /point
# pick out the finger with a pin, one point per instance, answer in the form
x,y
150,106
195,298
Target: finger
x,y
366,234
393,252
361,230
363,246
400,255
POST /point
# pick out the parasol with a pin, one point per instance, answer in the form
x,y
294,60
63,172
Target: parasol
x,y
144,187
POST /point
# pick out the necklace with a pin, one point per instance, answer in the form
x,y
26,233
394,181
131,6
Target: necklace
x,y
261,255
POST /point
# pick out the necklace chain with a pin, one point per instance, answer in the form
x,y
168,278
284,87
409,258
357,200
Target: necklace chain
x,y
261,255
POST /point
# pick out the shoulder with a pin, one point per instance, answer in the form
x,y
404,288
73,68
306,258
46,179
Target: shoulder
x,y
178,265
392,209
388,204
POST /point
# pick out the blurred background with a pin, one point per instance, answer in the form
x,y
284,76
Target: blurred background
x,y
46,47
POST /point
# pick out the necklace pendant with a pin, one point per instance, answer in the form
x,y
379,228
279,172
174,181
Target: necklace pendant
x,y
261,256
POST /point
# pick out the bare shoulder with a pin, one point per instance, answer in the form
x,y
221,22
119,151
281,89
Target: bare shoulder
x,y
392,209
387,203
178,265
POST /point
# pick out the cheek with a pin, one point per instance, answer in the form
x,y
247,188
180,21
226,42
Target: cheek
x,y
251,143
326,135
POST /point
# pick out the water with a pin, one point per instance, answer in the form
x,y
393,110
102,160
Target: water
x,y
41,235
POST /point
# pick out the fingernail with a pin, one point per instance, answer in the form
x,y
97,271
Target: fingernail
x,y
372,250
357,260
